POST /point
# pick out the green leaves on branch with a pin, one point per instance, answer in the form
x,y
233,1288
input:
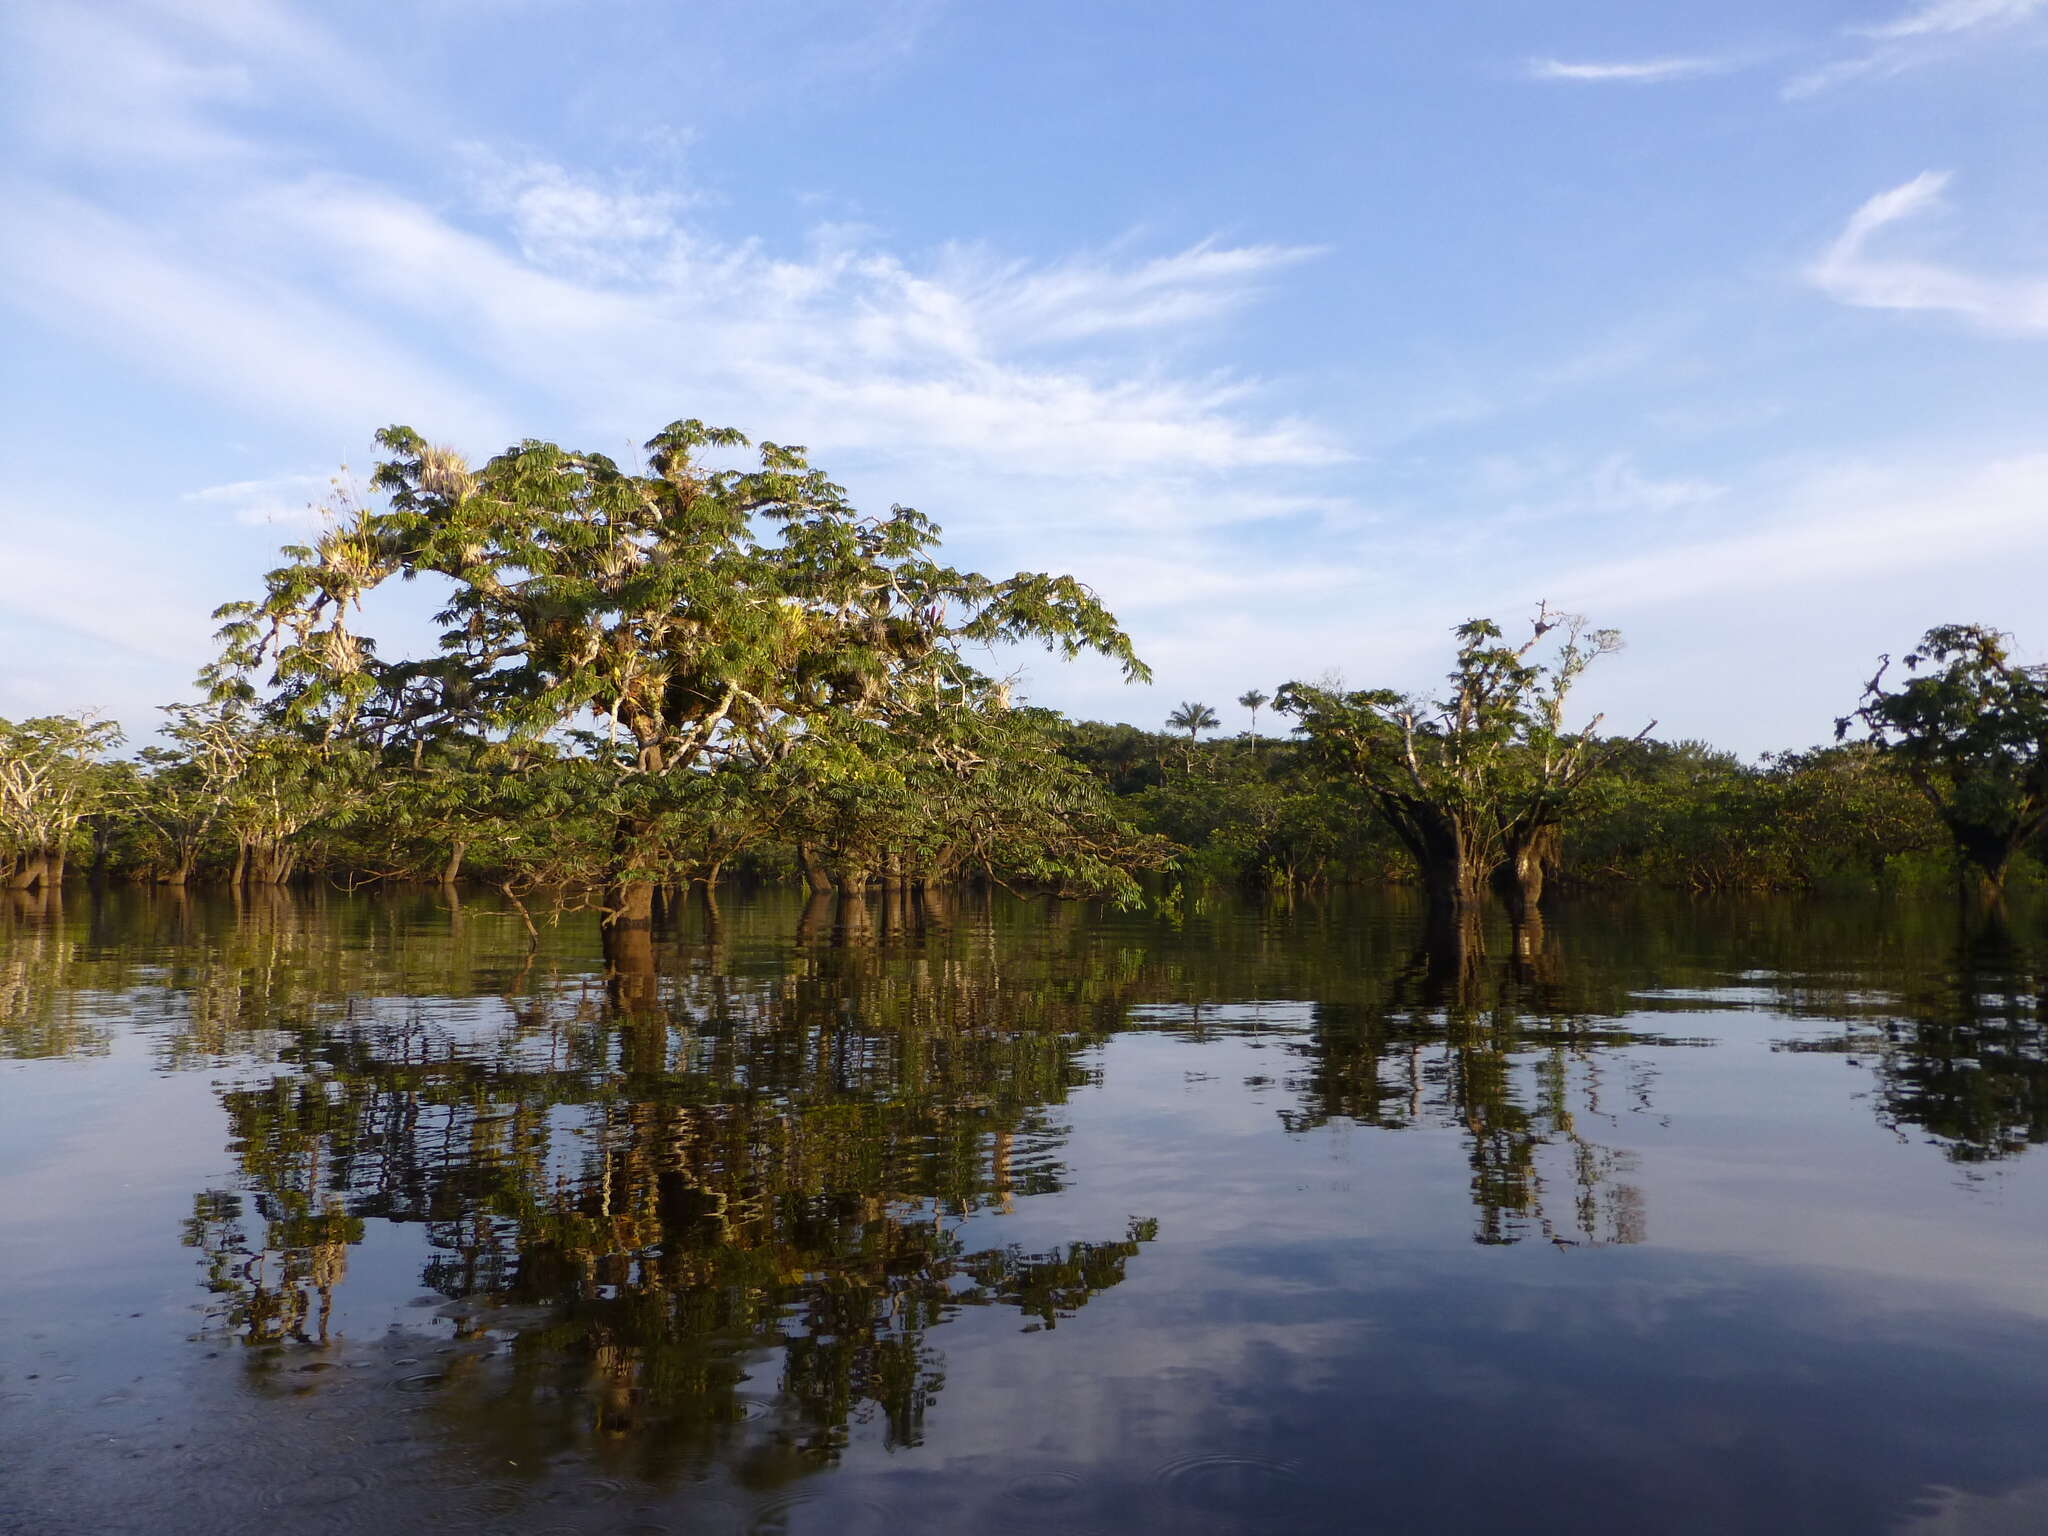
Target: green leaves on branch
x,y
677,623
1971,732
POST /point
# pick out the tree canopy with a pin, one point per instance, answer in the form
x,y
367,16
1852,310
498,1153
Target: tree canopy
x,y
1971,732
684,618
1476,780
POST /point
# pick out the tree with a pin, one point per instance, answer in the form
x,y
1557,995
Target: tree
x,y
1972,735
1476,782
1192,718
650,605
1254,701
50,781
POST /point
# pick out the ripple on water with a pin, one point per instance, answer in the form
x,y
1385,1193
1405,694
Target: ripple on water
x,y
321,1490
1226,1483
841,1517
705,1517
1053,1485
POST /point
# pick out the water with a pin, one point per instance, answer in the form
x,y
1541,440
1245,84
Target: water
x,y
342,1214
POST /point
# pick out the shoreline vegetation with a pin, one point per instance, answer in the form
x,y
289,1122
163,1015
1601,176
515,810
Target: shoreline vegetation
x,y
669,676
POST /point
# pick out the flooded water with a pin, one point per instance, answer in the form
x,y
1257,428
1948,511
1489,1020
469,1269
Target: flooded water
x,y
333,1214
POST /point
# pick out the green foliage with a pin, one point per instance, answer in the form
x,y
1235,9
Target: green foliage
x,y
1972,735
1470,781
739,655
51,780
1193,718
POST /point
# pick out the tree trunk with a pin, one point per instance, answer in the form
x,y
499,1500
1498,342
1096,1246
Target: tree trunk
x,y
628,904
816,875
1986,857
453,867
628,933
239,875
1521,875
1452,877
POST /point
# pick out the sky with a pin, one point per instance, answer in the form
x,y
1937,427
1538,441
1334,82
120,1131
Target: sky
x,y
1301,332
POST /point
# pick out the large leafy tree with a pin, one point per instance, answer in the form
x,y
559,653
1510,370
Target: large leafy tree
x,y
688,614
1478,781
51,779
1971,732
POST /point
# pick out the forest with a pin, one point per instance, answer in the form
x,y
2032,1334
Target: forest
x,y
680,673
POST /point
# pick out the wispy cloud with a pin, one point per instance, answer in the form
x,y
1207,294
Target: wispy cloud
x,y
1916,37
1851,273
1945,17
1051,408
1628,71
260,503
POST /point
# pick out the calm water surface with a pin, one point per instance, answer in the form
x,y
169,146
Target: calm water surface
x,y
331,1214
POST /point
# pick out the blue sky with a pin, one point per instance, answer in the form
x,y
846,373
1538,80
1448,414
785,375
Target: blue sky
x,y
1302,332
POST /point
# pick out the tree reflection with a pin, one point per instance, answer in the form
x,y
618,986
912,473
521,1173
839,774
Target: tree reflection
x,y
724,1203
653,1200
1509,1055
1960,1053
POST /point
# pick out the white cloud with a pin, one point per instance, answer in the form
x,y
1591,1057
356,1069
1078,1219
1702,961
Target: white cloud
x,y
1849,272
127,95
1928,32
261,503
1835,529
1946,17
848,348
243,335
1048,404
1630,71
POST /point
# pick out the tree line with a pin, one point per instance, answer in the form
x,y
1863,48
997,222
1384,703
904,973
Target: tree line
x,y
1483,792
651,676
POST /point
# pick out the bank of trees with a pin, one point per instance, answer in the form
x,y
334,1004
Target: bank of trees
x,y
655,675
1492,788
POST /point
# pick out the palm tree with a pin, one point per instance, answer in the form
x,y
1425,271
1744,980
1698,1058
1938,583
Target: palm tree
x,y
1254,701
1193,718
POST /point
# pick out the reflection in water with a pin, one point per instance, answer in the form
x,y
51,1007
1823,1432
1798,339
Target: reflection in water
x,y
1965,1060
724,1212
646,1199
1511,1054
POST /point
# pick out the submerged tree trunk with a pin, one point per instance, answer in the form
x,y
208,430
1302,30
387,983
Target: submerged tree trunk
x,y
1520,877
816,876
1453,875
627,927
1986,855
1454,957
816,918
855,924
935,905
1534,960
628,933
